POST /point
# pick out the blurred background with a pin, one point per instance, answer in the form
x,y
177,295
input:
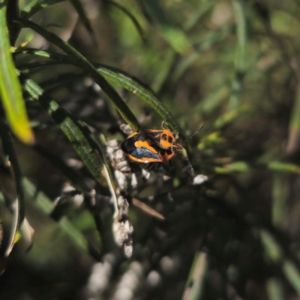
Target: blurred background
x,y
229,66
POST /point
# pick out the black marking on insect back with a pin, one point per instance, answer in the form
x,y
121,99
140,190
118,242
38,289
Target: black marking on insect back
x,y
128,146
144,153
168,151
154,136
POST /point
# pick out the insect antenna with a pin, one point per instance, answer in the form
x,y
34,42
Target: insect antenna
x,y
188,161
194,134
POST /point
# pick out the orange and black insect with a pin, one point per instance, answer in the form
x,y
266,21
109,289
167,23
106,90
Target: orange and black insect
x,y
151,146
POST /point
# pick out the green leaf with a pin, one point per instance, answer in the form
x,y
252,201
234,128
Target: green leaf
x,y
240,55
75,130
280,193
293,143
79,9
206,43
69,172
31,9
214,100
271,246
174,36
279,256
194,288
292,274
131,17
204,7
46,205
88,67
10,89
140,91
275,289
17,206
230,116
283,167
238,166
118,77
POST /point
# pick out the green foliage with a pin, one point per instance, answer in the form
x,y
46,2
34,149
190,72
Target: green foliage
x,y
78,70
10,89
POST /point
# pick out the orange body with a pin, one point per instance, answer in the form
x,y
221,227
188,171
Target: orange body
x,y
151,146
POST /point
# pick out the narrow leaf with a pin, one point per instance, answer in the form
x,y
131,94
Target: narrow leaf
x,y
142,92
30,10
230,116
131,17
46,206
68,171
271,246
238,166
120,78
76,131
194,286
293,143
283,167
280,193
275,289
88,67
176,38
84,18
17,206
292,274
240,55
10,89
206,43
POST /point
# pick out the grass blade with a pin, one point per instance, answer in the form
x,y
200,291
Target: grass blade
x,y
280,192
240,58
46,206
202,9
292,274
275,289
206,43
84,18
69,172
122,79
230,116
17,206
283,167
76,131
29,10
131,17
142,92
194,284
176,38
10,88
11,14
87,66
293,143
276,254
